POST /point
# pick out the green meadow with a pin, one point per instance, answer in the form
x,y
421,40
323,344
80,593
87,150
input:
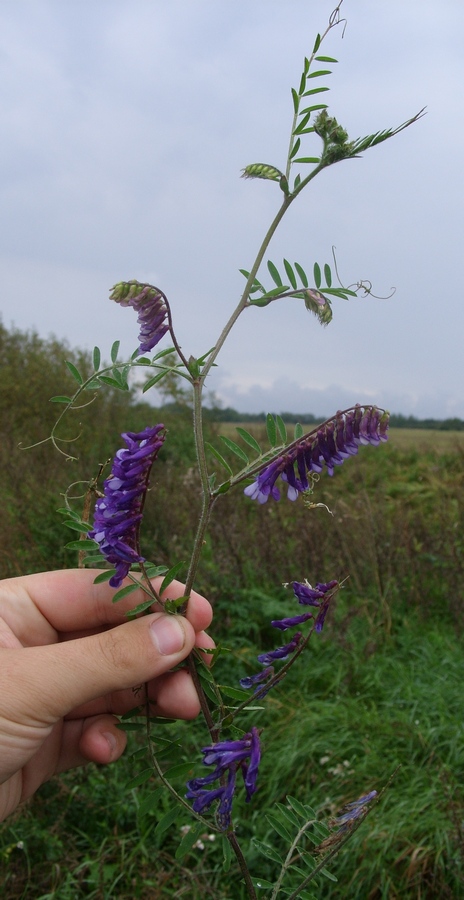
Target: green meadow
x,y
378,697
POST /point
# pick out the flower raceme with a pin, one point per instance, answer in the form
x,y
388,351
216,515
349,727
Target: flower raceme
x,y
318,597
119,512
227,757
335,441
151,308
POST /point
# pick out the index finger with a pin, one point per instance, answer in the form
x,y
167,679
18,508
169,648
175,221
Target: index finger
x,y
70,601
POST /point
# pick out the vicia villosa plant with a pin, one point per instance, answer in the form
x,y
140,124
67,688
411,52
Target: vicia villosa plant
x,y
287,468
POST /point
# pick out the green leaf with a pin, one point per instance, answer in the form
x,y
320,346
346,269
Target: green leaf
x,y
111,382
316,106
295,149
152,381
308,159
223,488
317,43
161,353
330,59
328,874
290,273
60,399
168,819
115,351
139,779
149,802
77,526
298,431
132,613
249,439
317,275
302,125
219,458
189,839
295,99
171,575
328,275
273,271
131,726
81,545
267,851
315,91
226,853
154,571
282,429
275,292
271,430
183,770
319,73
93,385
74,372
278,826
202,359
289,815
96,358
302,274
339,292
231,445
233,693
262,884
173,606
298,807
125,591
65,511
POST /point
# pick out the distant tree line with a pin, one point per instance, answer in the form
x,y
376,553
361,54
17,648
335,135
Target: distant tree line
x,y
227,414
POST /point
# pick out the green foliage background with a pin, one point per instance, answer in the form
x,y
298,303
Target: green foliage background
x,y
381,687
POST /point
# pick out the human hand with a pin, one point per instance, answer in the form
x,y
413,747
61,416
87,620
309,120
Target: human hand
x,y
69,663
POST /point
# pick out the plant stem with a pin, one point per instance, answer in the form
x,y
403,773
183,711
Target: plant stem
x,y
231,837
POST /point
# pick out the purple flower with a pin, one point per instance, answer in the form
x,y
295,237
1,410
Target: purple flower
x,y
119,512
227,757
334,442
283,624
284,652
250,680
150,305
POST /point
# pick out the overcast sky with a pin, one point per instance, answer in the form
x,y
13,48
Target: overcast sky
x,y
126,124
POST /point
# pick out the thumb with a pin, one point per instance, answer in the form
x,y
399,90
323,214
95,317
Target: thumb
x,y
50,681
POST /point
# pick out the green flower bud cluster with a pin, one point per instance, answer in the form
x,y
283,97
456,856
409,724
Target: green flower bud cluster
x,y
335,137
127,290
262,170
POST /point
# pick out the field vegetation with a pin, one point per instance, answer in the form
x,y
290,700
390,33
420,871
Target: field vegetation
x,y
381,688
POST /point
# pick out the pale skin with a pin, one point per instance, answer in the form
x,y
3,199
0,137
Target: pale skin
x,y
70,663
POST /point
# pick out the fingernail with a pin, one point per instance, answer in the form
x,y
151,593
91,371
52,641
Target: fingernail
x,y
111,741
167,635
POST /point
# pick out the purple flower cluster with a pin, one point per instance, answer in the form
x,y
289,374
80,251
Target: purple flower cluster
x,y
352,811
119,512
319,597
150,306
227,757
344,822
311,596
334,442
